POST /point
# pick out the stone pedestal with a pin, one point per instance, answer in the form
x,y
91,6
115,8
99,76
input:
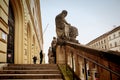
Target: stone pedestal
x,y
60,55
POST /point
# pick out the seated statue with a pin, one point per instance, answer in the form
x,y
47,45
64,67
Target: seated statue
x,y
63,29
60,24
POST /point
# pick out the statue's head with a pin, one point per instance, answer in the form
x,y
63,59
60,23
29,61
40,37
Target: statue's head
x,y
64,13
54,37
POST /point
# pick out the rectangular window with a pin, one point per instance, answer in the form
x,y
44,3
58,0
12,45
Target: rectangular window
x,y
104,41
101,42
114,36
110,45
4,36
109,38
105,47
96,44
115,44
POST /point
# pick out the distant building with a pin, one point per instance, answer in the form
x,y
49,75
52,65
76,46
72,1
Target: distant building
x,y
107,41
20,31
114,39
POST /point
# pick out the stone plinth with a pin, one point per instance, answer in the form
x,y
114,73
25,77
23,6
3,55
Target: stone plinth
x,y
60,55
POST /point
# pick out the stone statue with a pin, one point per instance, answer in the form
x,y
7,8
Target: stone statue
x,y
63,29
52,51
73,33
50,56
60,24
53,44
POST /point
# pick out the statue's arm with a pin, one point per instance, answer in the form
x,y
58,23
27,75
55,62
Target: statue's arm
x,y
66,22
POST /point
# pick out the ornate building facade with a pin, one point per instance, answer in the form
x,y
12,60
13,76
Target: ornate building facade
x,y
107,41
21,35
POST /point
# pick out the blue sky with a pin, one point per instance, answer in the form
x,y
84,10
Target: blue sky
x,y
92,17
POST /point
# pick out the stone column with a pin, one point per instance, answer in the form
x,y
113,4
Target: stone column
x,y
81,70
92,74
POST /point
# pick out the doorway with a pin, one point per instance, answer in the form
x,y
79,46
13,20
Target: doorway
x,y
10,37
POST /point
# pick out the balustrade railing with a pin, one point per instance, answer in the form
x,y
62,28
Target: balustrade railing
x,y
90,64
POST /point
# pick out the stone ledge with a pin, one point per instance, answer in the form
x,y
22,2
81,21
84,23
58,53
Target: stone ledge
x,y
3,65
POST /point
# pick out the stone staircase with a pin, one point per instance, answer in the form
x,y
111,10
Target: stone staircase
x,y
31,72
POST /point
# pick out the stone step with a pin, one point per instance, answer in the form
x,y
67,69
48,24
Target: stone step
x,y
42,67
30,76
28,68
29,72
32,79
34,65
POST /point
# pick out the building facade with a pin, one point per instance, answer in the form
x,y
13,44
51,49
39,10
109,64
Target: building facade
x,y
99,43
21,35
114,39
107,41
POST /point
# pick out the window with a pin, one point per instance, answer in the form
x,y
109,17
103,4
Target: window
x,y
109,37
96,44
4,36
104,41
115,44
101,42
105,47
114,36
110,45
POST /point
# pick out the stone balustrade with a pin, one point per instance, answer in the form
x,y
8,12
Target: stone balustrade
x,y
88,63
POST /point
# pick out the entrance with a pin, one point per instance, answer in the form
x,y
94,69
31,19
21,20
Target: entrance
x,y
10,39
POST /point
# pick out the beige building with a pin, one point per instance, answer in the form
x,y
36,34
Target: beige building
x,y
114,39
100,42
107,41
20,31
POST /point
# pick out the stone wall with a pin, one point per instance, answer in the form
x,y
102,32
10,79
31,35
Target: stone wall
x,y
28,38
